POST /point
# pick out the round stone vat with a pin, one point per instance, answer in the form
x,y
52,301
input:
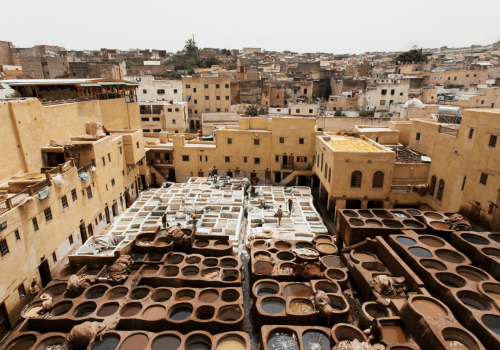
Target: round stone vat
x,y
205,313
429,307
166,342
198,342
459,339
49,342
473,300
108,309
230,295
180,312
450,256
266,288
231,342
433,265
84,310
185,295
61,308
327,287
117,293
273,305
96,292
161,295
139,293
130,309
431,241
209,296
451,280
24,342
175,259
230,313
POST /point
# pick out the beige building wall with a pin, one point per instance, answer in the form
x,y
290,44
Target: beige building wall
x,y
206,94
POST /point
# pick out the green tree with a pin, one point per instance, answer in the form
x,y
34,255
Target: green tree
x,y
211,61
95,53
411,56
190,48
226,52
252,111
231,66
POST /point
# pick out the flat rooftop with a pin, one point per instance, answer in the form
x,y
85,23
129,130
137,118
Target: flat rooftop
x,y
350,143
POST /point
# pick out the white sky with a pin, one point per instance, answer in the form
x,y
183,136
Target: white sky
x,y
351,26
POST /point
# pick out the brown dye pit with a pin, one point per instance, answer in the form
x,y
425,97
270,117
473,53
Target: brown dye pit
x,y
149,271
471,276
364,256
301,307
333,261
282,245
161,244
209,296
135,342
185,298
117,295
131,310
221,245
260,246
154,312
231,345
433,216
327,248
448,257
198,346
429,308
282,341
144,242
166,342
262,257
23,344
108,309
297,290
431,242
33,312
439,225
456,345
393,335
374,223
323,240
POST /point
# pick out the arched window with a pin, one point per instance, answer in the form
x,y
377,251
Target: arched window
x,y
356,179
440,190
432,186
326,170
330,175
378,180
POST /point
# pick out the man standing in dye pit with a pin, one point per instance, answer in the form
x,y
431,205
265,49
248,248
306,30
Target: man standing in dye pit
x,y
280,214
290,206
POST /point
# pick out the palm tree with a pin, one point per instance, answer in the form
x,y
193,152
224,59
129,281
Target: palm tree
x,y
190,48
252,111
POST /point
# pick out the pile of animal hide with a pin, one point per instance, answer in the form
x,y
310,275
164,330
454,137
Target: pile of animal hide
x,y
321,302
176,235
76,285
120,269
386,285
458,223
84,335
307,271
357,345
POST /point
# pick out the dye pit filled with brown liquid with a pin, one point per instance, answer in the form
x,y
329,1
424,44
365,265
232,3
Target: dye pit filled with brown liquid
x,y
456,345
135,342
297,290
327,248
393,335
231,345
301,307
429,308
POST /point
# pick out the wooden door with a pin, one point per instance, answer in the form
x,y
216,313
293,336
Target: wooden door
x,y
4,321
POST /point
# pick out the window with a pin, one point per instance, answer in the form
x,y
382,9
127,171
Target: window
x,y
113,182
297,110
400,94
89,192
493,141
384,92
123,172
305,91
256,142
244,159
228,159
216,86
145,119
301,141
100,217
156,119
188,86
160,91
16,233
54,257
169,110
120,150
277,159
109,157
146,130
156,130
206,86
175,91
391,102
177,109
217,98
440,190
382,102
4,250
484,179
378,180
207,109
48,214
225,109
206,97
310,111
229,141
195,101
417,137
64,202
227,86
356,179
195,112
463,182
21,291
70,238
174,121
194,89
482,102
432,186
144,91
35,224
330,175
471,133
103,161
393,92
137,144
434,76
227,98
218,109
256,160
282,140
185,158
455,78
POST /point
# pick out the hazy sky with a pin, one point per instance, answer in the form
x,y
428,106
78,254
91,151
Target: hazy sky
x,y
351,26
